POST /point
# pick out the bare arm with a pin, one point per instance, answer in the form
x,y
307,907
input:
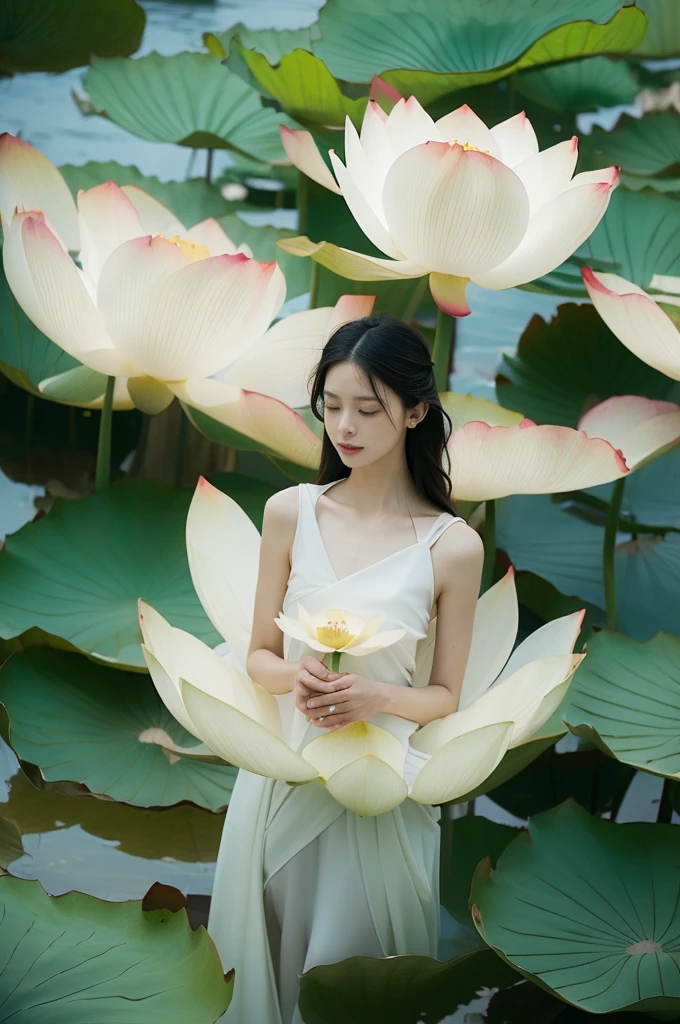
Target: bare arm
x,y
458,558
265,663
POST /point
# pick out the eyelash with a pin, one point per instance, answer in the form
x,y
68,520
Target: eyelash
x,y
361,411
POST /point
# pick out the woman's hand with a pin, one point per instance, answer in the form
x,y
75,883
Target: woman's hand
x,y
352,698
311,679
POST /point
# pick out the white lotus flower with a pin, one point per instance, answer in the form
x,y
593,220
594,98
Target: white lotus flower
x,y
168,311
645,324
505,698
453,199
334,629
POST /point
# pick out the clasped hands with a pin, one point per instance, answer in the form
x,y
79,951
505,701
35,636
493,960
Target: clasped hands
x,y
353,697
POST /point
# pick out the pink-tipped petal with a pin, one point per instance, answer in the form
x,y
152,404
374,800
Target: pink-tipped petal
x,y
350,307
493,462
107,219
641,427
464,126
449,293
156,219
29,181
211,234
553,234
64,305
455,211
353,265
516,138
303,152
636,320
408,125
367,216
380,88
493,635
605,176
548,174
376,144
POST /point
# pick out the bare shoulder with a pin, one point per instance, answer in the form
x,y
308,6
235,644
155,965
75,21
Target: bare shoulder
x,y
460,546
280,516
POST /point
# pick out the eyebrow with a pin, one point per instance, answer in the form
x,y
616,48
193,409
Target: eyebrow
x,y
358,398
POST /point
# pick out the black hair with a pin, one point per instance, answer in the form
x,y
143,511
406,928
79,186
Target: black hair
x,y
393,352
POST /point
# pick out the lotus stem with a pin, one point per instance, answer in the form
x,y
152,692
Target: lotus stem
x,y
489,544
102,476
302,194
335,661
609,550
441,350
665,812
209,166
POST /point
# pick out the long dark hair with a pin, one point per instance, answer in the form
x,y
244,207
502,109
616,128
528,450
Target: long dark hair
x,y
394,353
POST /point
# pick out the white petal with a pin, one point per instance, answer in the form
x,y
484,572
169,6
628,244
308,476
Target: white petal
x,y
462,764
149,395
213,236
455,211
376,143
493,635
408,125
548,174
463,125
375,643
553,234
107,219
156,219
353,265
556,637
304,154
516,138
29,181
367,217
367,787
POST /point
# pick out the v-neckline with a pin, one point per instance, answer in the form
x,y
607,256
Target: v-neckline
x,y
365,568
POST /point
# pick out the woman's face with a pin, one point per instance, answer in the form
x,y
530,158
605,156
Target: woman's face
x,y
359,428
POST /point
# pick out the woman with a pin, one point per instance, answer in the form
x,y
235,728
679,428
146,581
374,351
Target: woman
x,y
300,880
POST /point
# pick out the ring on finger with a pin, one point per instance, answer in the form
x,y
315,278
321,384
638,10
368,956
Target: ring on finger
x,y
331,709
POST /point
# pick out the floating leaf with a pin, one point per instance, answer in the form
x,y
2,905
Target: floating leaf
x,y
643,146
569,906
580,85
468,841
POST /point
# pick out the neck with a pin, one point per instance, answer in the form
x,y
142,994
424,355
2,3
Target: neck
x,y
383,487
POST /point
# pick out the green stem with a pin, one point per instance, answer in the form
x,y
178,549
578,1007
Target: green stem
x,y
608,552
441,350
335,660
302,199
209,166
665,812
489,544
102,477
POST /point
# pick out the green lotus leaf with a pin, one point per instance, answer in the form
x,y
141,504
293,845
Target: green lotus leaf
x,y
401,989
662,38
527,1002
565,366
184,832
632,182
191,201
11,846
580,85
78,722
643,146
190,99
301,83
544,538
62,956
547,603
589,776
271,42
77,573
63,34
588,910
625,698
26,355
439,47
636,238
465,842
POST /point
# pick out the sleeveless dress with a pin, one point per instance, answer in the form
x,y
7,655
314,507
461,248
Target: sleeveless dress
x,y
299,880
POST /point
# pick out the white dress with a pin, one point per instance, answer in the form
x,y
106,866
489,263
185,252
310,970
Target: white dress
x,y
300,881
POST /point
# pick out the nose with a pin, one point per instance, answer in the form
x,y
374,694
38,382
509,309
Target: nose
x,y
346,425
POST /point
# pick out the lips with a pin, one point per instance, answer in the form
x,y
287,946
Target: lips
x,y
349,449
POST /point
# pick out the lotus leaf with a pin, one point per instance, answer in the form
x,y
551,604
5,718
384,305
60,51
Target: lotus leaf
x,y
465,842
190,99
626,700
662,38
11,846
570,906
62,34
580,85
644,146
63,955
401,989
78,572
440,47
79,722
568,364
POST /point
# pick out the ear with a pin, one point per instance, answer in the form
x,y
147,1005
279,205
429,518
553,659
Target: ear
x,y
415,415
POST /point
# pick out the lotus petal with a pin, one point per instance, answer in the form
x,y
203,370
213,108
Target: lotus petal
x,y
264,419
223,546
107,219
553,234
210,234
463,126
492,462
462,764
362,767
376,143
636,320
464,408
149,395
155,217
548,173
303,152
493,635
29,181
449,293
555,637
365,214
516,138
468,213
408,126
640,427
353,265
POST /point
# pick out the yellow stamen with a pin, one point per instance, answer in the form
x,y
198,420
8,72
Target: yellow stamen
x,y
334,634
467,146
190,250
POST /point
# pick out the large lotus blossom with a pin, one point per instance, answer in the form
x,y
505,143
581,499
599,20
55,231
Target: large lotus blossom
x,y
168,311
646,324
505,699
453,199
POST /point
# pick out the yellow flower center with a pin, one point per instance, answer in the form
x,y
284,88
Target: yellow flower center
x,y
334,634
468,145
190,250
